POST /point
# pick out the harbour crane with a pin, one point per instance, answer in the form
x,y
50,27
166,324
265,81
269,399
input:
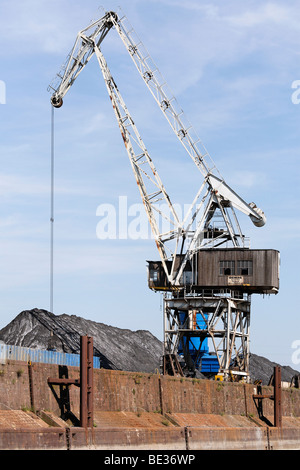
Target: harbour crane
x,y
209,233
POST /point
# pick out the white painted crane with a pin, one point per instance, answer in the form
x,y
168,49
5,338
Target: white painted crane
x,y
190,234
205,267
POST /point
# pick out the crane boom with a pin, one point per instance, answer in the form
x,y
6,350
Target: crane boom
x,y
176,118
79,56
145,173
194,232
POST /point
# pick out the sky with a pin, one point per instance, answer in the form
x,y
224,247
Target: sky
x,y
233,67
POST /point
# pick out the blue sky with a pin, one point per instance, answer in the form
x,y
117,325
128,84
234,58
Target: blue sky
x,y
231,66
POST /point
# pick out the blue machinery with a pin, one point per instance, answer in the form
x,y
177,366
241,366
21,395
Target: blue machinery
x,y
207,332
195,348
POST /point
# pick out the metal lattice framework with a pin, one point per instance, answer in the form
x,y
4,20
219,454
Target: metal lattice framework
x,y
214,195
228,321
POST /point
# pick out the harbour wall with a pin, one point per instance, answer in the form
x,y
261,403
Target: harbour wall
x,y
140,411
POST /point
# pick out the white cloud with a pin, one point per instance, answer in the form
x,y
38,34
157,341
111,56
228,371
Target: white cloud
x,y
13,186
269,13
245,178
33,26
97,122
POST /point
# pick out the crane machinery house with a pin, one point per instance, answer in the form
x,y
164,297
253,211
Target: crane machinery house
x,y
252,271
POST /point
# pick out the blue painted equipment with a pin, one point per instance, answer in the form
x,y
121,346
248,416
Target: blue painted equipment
x,y
194,344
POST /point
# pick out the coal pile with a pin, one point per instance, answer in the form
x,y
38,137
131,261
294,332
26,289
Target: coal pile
x,y
118,349
263,369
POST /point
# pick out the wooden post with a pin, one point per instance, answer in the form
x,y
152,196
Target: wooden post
x,y
86,381
277,398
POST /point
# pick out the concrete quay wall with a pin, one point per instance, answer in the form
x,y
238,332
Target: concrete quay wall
x,y
140,411
134,391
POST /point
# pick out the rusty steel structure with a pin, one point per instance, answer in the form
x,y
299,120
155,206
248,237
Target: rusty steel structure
x,y
276,397
225,320
198,267
85,382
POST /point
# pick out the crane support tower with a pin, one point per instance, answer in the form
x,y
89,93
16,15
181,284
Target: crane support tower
x,y
206,269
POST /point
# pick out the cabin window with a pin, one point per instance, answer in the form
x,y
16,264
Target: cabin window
x,y
227,268
244,268
153,275
187,278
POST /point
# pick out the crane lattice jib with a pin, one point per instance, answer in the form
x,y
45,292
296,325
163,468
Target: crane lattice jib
x,y
175,115
184,236
79,56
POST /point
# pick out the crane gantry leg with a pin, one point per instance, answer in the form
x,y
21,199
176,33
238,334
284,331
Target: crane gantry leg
x,y
191,322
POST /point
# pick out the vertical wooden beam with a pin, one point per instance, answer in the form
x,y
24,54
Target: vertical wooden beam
x,y
83,381
86,381
90,377
31,390
277,398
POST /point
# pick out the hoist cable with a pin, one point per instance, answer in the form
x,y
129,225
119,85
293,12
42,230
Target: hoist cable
x,y
52,209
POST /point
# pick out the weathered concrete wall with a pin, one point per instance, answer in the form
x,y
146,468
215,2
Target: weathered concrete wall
x,y
131,391
115,391
175,439
140,411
